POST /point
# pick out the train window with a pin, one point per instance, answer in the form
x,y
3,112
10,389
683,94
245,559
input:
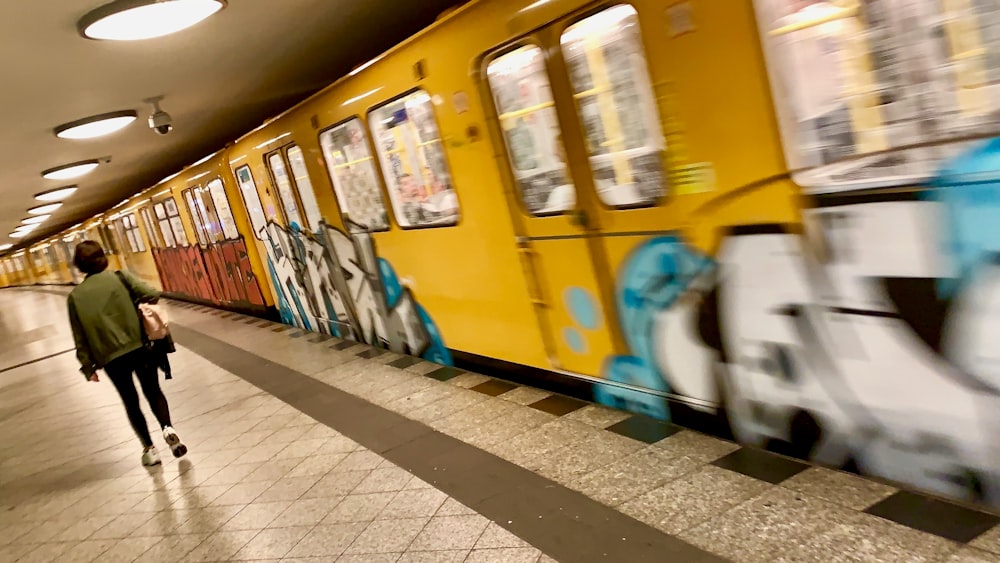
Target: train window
x,y
285,190
869,93
132,234
523,97
355,182
194,212
164,224
108,240
120,224
303,183
617,106
413,162
152,233
209,214
222,208
251,199
176,224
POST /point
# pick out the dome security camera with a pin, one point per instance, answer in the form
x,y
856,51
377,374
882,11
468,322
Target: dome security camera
x,y
159,121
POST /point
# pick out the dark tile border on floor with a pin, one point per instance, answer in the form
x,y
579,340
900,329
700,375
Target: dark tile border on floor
x,y
761,465
564,524
644,429
494,387
934,516
558,405
405,362
445,373
344,345
370,354
319,338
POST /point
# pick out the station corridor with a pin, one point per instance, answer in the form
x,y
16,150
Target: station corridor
x,y
308,448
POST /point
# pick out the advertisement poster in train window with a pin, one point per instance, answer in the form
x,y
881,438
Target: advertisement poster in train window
x,y
251,199
413,162
870,95
523,98
616,103
225,213
355,182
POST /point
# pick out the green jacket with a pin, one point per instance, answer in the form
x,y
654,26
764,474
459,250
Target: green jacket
x,y
104,319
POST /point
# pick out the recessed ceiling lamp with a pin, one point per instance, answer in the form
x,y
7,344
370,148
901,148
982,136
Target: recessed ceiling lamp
x,y
36,220
44,209
4,247
57,194
70,171
131,20
18,234
25,228
96,126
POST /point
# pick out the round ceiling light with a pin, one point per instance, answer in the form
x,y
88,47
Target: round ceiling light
x,y
96,126
25,228
70,171
57,194
44,209
18,234
36,220
4,247
132,20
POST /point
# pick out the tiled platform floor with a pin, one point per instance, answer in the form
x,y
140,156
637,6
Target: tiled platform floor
x,y
309,447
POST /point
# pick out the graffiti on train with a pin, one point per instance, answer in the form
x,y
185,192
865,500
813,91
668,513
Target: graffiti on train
x,y
335,283
220,273
864,338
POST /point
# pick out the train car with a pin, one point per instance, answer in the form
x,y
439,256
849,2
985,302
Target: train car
x,y
769,219
200,238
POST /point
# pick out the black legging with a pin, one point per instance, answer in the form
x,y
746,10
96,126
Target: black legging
x,y
120,372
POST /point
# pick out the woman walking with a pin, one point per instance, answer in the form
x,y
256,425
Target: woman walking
x,y
108,335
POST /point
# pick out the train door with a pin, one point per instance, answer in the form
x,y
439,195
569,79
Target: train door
x,y
553,207
581,90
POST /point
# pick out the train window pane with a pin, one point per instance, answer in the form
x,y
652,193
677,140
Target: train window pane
x,y
413,162
877,93
251,200
218,193
176,224
129,238
208,214
195,218
285,190
355,182
617,106
151,230
305,188
133,227
527,114
164,224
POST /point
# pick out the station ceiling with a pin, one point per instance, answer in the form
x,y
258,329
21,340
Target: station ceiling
x,y
220,79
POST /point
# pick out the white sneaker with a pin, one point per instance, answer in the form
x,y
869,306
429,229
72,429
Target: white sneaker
x,y
176,447
150,457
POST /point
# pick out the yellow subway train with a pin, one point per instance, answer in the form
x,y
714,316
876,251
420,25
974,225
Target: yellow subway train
x,y
775,220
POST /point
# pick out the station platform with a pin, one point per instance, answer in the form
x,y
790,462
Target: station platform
x,y
309,448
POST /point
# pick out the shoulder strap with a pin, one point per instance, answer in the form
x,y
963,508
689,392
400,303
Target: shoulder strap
x,y
128,286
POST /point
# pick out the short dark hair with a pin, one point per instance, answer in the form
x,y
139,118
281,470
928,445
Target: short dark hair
x,y
89,258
